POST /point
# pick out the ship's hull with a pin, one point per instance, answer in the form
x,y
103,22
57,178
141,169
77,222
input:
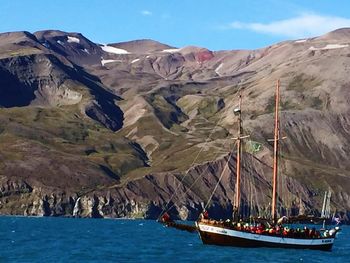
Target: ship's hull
x,y
217,235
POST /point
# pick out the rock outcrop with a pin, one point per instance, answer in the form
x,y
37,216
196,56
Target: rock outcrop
x,y
148,197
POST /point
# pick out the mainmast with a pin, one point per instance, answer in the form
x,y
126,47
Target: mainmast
x,y
238,166
275,153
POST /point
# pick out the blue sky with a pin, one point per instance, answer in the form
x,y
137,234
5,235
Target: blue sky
x,y
217,25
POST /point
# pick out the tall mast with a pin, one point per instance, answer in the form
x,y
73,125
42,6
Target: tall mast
x,y
238,166
275,153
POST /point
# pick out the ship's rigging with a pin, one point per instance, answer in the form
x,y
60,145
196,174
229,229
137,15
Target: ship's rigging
x,y
262,231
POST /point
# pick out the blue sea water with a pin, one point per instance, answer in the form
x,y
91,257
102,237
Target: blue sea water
x,y
25,239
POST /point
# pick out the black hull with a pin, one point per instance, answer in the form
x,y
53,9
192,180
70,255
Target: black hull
x,y
224,240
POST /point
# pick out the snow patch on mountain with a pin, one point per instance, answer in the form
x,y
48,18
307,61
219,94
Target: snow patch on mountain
x,y
329,46
114,50
73,40
135,60
217,70
105,61
171,50
300,41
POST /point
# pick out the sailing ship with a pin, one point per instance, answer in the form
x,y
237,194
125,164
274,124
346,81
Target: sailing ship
x,y
326,208
270,232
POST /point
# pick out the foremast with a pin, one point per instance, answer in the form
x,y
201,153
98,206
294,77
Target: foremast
x,y
275,153
239,138
237,201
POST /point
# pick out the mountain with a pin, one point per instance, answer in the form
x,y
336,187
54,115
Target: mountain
x,y
110,130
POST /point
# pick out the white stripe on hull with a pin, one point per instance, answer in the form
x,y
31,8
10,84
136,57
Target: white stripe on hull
x,y
265,238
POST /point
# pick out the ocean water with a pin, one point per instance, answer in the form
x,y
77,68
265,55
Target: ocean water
x,y
25,239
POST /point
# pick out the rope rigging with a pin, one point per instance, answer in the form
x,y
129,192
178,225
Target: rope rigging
x,y
194,161
249,184
190,187
217,184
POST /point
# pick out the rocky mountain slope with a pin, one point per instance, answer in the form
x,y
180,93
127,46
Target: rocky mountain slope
x,y
98,130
